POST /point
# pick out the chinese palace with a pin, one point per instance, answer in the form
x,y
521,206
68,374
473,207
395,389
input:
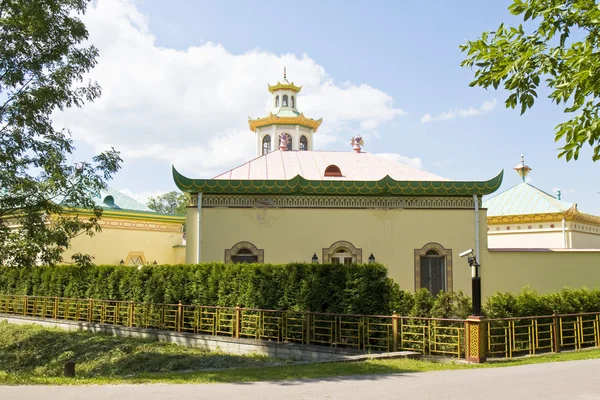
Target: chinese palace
x,y
294,203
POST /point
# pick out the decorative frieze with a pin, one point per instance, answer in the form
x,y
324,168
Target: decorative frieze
x,y
139,225
241,201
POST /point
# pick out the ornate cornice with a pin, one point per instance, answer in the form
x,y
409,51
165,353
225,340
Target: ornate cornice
x,y
301,186
365,202
273,119
140,225
132,215
586,218
285,86
572,214
515,219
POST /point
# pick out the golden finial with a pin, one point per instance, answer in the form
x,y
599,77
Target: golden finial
x,y
522,169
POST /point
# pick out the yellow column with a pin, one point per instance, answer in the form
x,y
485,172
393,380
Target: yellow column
x,y
191,233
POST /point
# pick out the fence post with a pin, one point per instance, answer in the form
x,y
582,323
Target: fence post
x,y
395,319
25,305
475,338
555,333
55,310
90,310
131,313
308,327
238,321
179,316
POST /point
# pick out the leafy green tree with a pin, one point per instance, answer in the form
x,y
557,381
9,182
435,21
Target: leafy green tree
x,y
560,50
42,63
169,203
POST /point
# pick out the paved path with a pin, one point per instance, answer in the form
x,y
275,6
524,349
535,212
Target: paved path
x,y
573,380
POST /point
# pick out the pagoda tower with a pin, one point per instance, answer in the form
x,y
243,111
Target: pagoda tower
x,y
285,128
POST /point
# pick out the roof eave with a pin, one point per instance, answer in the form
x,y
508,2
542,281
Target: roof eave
x,y
300,185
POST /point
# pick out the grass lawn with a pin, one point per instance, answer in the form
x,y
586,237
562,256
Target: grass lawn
x,y
31,354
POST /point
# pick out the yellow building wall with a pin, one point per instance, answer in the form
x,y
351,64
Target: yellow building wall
x,y
545,271
525,239
288,235
113,244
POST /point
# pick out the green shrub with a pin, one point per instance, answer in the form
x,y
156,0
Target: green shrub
x,y
531,303
353,289
356,289
451,305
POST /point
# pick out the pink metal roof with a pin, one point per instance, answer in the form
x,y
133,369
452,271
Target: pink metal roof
x,y
311,165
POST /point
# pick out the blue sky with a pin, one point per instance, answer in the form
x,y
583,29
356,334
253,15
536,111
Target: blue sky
x,y
375,68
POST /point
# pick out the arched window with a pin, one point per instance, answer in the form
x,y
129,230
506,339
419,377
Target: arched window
x,y
266,145
303,142
333,170
276,101
293,103
284,103
433,268
342,252
244,252
135,258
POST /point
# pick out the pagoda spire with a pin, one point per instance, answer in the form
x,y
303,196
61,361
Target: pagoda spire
x,y
284,73
522,169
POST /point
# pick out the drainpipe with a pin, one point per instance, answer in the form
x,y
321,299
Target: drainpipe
x,y
198,258
564,232
476,203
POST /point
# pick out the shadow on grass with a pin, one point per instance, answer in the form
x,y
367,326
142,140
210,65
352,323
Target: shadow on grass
x,y
40,351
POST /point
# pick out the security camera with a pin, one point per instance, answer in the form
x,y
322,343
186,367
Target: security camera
x,y
467,253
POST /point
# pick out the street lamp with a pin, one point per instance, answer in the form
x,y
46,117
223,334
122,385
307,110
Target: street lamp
x,y
475,280
371,259
315,259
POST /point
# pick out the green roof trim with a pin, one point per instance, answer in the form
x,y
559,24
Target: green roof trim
x,y
298,185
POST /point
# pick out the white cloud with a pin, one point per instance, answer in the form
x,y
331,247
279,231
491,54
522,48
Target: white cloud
x,y
411,162
190,107
485,107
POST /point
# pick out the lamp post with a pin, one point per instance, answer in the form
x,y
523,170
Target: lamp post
x,y
475,325
475,285
315,259
371,259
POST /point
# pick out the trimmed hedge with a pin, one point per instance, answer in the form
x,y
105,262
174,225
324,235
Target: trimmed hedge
x,y
357,289
354,289
529,302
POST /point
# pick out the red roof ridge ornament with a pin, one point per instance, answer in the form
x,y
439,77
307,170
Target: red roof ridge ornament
x,y
522,169
356,142
284,140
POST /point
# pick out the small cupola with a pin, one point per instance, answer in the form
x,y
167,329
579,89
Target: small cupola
x,y
522,169
284,95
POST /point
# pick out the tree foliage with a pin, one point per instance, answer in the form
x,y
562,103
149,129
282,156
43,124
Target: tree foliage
x,y
169,203
561,51
42,64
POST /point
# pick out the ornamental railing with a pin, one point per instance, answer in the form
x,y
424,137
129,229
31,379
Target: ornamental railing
x,y
511,337
371,333
505,338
